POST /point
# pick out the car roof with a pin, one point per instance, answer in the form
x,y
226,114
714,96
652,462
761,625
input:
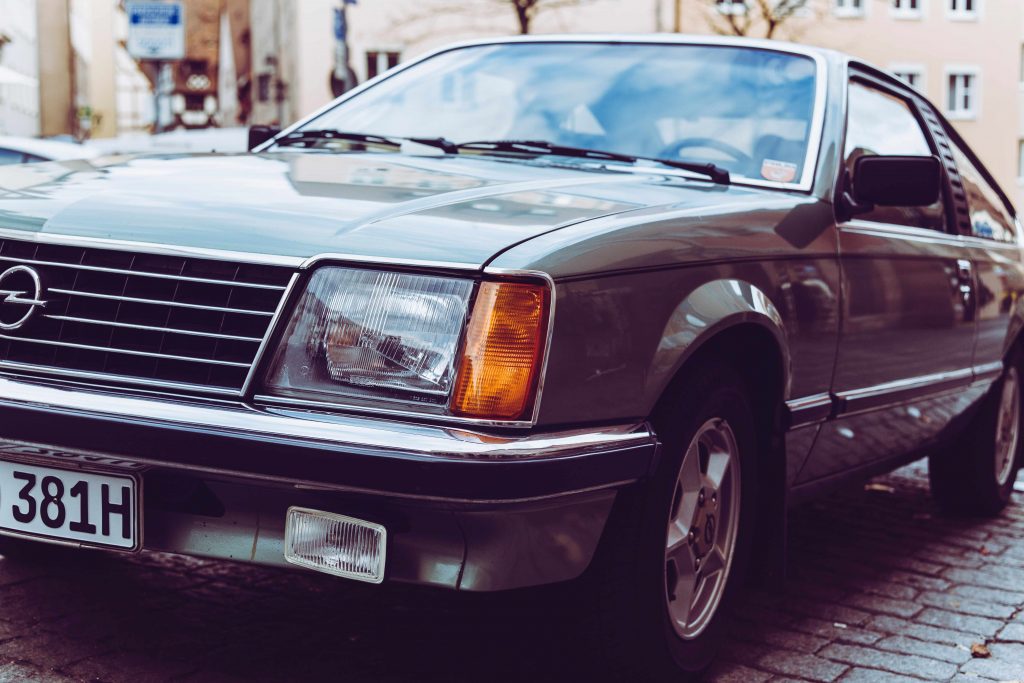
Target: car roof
x,y
51,150
660,39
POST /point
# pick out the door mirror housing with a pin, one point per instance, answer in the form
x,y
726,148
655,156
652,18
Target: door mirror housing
x,y
897,181
260,134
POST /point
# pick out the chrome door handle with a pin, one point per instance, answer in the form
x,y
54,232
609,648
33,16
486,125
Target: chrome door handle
x,y
963,269
965,278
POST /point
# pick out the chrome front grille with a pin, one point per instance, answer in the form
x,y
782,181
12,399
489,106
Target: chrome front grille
x,y
121,317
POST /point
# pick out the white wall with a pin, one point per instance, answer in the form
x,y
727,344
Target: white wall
x,y
416,26
19,103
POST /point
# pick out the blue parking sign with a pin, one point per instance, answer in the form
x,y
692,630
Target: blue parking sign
x,y
156,30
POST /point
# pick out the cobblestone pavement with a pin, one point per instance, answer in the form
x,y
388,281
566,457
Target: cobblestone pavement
x,y
882,589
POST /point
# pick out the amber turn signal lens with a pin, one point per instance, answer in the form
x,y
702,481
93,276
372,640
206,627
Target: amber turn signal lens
x,y
504,347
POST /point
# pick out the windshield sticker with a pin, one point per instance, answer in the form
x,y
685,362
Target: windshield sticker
x,y
778,171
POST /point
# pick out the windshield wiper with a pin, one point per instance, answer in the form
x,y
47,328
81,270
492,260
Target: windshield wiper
x,y
716,173
303,137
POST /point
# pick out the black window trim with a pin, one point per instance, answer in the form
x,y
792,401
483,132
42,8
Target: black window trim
x,y
890,85
884,80
966,150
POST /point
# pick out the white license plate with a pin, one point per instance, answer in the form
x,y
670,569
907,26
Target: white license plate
x,y
87,508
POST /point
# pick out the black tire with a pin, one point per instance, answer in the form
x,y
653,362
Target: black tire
x,y
964,475
634,636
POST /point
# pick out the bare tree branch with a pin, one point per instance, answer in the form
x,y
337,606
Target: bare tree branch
x,y
422,24
527,10
745,18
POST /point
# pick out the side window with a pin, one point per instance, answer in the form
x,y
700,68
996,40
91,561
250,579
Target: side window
x,y
883,124
989,216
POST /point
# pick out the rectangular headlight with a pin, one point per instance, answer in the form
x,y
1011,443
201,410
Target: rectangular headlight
x,y
372,334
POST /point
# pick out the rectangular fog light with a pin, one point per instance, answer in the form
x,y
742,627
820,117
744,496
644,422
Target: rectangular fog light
x,y
335,544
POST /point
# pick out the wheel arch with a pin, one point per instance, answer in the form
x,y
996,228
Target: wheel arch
x,y
735,322
731,319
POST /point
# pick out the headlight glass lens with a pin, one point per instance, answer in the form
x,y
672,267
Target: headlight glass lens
x,y
369,333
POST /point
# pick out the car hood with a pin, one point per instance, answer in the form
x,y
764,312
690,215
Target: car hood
x,y
454,211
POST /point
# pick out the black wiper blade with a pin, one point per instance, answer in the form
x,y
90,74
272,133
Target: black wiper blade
x,y
301,137
544,147
716,173
443,144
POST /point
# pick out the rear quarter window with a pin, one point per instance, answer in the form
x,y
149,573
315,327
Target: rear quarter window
x,y
990,218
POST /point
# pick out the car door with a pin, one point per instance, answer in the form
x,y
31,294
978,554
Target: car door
x,y
990,230
908,314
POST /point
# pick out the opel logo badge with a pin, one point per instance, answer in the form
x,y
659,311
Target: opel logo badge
x,y
21,293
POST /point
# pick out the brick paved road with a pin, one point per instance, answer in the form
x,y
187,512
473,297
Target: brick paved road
x,y
882,590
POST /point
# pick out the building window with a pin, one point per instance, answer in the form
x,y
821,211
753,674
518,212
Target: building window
x,y
963,9
263,87
911,74
906,9
850,8
962,93
379,61
731,6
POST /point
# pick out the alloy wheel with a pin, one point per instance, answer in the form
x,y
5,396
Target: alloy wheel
x,y
702,528
1008,426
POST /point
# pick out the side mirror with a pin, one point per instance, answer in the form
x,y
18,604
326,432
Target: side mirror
x,y
897,181
260,134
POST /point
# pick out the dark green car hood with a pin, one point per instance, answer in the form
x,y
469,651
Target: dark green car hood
x,y
460,211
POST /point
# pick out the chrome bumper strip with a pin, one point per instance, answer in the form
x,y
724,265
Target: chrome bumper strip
x,y
389,437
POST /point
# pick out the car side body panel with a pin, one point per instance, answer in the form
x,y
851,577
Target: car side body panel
x,y
669,284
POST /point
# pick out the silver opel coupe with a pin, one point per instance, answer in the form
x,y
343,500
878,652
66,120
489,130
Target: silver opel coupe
x,y
519,312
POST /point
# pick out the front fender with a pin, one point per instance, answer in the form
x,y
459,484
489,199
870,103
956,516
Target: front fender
x,y
619,339
705,312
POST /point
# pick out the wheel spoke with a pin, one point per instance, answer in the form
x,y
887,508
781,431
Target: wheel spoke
x,y
713,563
678,533
691,480
718,468
685,586
689,474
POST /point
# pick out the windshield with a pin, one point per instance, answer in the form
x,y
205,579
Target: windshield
x,y
746,110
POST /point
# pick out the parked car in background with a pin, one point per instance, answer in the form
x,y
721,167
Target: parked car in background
x,y
180,140
19,150
520,312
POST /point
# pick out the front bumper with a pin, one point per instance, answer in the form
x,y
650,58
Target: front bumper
x,y
463,509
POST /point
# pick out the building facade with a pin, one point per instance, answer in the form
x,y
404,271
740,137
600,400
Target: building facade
x,y
19,68
64,70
